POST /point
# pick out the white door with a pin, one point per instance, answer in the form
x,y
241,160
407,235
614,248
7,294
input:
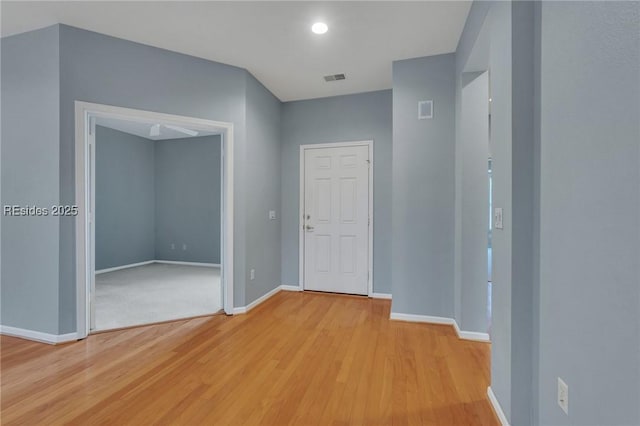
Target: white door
x,y
336,219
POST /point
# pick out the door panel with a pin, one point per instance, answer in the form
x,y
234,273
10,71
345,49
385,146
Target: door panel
x,y
336,219
323,200
348,200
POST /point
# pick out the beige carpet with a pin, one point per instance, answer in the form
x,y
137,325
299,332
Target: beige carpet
x,y
155,292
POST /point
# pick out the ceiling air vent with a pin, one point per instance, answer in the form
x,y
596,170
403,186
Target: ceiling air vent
x,y
334,77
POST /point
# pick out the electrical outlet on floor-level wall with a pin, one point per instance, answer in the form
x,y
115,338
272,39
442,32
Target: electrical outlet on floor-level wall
x,y
184,247
563,395
173,246
252,274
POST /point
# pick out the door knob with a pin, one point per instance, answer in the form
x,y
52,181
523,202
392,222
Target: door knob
x,y
309,228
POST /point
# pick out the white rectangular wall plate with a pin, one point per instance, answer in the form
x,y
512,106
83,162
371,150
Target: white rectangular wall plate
x,y
425,110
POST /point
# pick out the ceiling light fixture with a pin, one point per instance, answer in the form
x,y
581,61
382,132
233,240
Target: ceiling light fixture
x,y
319,28
154,131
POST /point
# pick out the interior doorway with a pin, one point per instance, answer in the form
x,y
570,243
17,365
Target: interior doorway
x,y
170,271
475,197
336,207
157,223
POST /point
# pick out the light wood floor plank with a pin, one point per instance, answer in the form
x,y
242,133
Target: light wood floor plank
x,y
299,359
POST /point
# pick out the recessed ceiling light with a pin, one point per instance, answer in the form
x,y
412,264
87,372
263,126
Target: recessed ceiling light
x,y
319,28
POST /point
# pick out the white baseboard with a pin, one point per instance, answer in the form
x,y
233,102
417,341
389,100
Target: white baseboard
x,y
259,300
381,296
131,265
421,318
176,262
496,407
149,262
38,336
474,335
466,335
285,287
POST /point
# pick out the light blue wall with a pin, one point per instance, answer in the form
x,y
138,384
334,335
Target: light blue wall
x,y
96,68
561,274
472,59
151,194
423,187
524,148
263,168
101,69
187,199
364,116
590,212
125,199
499,21
30,170
486,43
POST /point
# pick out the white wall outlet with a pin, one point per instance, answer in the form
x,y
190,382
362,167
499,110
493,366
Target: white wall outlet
x,y
272,215
173,246
252,274
563,395
497,218
184,247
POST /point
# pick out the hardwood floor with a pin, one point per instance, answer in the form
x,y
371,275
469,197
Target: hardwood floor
x,y
299,358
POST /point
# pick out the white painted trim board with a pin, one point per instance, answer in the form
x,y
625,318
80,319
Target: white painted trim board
x,y
149,262
285,287
427,319
421,318
37,336
382,296
474,335
258,301
496,407
117,268
177,262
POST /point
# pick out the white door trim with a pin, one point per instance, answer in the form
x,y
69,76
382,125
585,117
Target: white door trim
x,y
303,148
83,112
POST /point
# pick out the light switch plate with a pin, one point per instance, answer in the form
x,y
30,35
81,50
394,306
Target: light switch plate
x,y
272,215
497,218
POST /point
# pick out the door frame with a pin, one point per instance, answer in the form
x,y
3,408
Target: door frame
x,y
85,113
303,148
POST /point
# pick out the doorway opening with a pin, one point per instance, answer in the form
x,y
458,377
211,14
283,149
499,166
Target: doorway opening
x,y
155,225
